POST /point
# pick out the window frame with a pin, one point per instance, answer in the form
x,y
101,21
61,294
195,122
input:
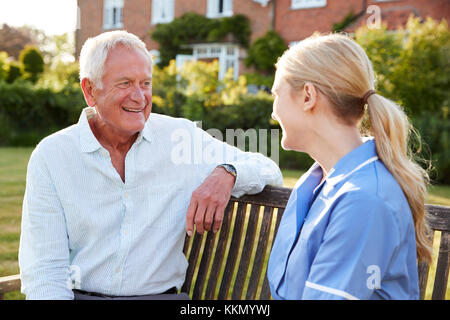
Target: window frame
x,y
109,15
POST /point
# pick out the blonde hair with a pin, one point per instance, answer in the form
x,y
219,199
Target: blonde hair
x,y
95,51
340,69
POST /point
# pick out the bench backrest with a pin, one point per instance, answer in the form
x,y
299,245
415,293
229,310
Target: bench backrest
x,y
232,263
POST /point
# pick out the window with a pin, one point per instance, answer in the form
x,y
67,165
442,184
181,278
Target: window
x,y
162,11
226,54
305,4
219,8
112,14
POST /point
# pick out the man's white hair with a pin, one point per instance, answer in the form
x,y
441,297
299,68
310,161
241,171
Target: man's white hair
x,y
95,51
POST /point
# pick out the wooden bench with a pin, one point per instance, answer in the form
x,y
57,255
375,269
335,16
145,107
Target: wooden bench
x,y
232,263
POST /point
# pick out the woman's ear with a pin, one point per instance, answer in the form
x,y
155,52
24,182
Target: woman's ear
x,y
309,96
88,91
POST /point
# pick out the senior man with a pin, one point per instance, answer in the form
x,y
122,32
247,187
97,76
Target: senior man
x,y
108,201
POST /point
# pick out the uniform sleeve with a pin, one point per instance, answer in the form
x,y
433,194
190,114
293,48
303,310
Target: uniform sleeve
x,y
358,244
44,249
254,171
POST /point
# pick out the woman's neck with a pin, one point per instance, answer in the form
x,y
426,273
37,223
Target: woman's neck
x,y
329,148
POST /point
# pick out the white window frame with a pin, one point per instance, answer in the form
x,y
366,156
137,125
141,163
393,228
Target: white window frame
x,y
227,54
213,8
112,14
163,11
307,4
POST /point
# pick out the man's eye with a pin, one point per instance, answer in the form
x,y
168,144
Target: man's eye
x,y
124,84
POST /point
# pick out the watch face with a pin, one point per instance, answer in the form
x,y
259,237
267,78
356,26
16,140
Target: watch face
x,y
229,168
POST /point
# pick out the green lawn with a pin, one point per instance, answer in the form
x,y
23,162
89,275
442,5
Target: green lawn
x,y
13,163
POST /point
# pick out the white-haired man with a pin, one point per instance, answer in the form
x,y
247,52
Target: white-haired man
x,y
108,201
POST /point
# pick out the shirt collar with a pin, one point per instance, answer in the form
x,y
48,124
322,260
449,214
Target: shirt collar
x,y
348,163
89,142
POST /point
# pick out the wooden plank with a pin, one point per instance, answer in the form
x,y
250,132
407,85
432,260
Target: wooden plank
x,y
441,277
220,252
193,258
203,269
438,217
9,284
233,252
424,267
246,253
270,196
265,291
260,253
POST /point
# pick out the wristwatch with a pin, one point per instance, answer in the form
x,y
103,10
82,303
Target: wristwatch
x,y
230,169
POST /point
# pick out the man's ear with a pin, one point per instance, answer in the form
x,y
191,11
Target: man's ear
x,y
88,91
309,96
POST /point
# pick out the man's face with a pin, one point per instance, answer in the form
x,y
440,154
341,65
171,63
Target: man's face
x,y
124,103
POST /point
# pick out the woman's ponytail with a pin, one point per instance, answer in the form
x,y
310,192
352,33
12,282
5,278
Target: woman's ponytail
x,y
391,129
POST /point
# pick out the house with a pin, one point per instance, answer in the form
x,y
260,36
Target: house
x,y
294,20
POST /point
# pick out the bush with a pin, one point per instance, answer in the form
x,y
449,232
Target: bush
x,y
412,64
32,62
264,52
412,67
32,113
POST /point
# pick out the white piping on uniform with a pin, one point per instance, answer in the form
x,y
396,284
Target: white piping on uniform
x,y
327,207
336,292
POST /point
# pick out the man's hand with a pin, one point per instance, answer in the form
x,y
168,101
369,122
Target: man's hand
x,y
209,201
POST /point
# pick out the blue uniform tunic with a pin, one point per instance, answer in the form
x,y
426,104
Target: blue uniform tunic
x,y
351,237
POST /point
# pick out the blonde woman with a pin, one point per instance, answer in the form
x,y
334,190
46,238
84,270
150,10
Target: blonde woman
x,y
354,225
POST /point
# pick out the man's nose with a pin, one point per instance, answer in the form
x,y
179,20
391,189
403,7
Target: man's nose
x,y
137,95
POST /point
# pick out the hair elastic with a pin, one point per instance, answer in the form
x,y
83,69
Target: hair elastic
x,y
367,95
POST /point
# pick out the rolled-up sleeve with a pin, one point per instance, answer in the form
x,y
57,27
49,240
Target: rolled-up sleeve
x,y
44,251
254,170
358,244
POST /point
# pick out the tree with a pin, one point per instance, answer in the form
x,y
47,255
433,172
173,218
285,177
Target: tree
x,y
13,40
32,62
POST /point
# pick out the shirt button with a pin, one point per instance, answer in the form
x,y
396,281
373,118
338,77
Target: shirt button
x,y
125,195
118,270
104,153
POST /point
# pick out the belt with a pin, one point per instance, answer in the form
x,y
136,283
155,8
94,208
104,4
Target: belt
x,y
172,290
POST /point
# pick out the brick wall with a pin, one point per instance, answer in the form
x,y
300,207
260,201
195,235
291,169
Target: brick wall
x,y
292,24
91,21
297,24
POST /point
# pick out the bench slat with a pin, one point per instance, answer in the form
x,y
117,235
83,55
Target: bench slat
x,y
438,217
441,278
203,269
9,284
260,253
246,252
233,252
220,253
193,257
271,196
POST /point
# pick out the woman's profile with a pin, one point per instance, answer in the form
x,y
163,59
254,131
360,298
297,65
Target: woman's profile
x,y
354,225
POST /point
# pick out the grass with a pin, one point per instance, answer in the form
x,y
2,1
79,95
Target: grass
x,y
13,164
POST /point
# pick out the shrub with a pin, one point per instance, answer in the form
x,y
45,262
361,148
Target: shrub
x,y
264,52
32,62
